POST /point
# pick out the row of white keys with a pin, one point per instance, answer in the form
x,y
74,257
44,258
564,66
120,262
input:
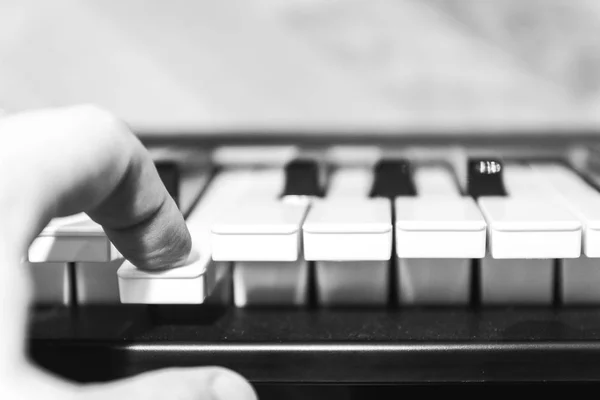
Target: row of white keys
x,y
580,277
349,236
528,229
193,282
438,232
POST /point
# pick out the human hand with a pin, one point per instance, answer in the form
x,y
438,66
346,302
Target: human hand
x,y
82,159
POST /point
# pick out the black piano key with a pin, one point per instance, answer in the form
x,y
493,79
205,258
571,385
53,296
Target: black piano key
x,y
303,178
485,178
393,178
169,174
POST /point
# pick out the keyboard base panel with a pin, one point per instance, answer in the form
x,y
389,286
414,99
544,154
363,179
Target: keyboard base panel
x,y
99,343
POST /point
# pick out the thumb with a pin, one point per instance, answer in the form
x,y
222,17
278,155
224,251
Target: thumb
x,y
210,383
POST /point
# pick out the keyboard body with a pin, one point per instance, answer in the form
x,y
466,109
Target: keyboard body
x,y
390,344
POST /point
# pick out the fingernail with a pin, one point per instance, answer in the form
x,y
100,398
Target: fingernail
x,y
230,386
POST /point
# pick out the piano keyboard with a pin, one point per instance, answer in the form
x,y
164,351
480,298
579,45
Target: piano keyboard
x,y
386,230
359,252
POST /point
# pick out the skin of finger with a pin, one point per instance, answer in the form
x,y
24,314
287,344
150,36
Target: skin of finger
x,y
173,383
176,383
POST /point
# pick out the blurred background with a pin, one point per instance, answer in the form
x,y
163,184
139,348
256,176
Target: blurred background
x,y
401,64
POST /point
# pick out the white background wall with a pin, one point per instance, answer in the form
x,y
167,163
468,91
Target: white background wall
x,y
307,63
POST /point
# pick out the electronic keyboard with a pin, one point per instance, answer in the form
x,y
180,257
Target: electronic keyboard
x,y
358,259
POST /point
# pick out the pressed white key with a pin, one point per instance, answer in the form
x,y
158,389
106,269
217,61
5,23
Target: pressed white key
x,y
72,239
51,283
529,222
281,284
97,283
438,222
434,281
580,280
261,227
192,283
516,282
580,198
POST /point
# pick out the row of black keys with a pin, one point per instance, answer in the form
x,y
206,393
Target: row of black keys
x,y
392,178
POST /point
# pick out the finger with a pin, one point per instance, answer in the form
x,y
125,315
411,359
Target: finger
x,y
209,383
58,162
83,159
182,384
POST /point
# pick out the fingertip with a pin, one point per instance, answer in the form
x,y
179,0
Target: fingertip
x,y
175,247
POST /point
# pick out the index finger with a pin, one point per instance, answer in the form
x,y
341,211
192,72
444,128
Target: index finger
x,y
84,159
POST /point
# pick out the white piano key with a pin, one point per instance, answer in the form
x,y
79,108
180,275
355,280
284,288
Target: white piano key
x,y
353,155
192,182
71,239
529,222
252,156
260,230
580,281
262,227
277,284
347,225
97,283
435,181
516,282
352,283
579,197
348,230
51,283
434,281
437,233
350,235
192,283
350,183
438,222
